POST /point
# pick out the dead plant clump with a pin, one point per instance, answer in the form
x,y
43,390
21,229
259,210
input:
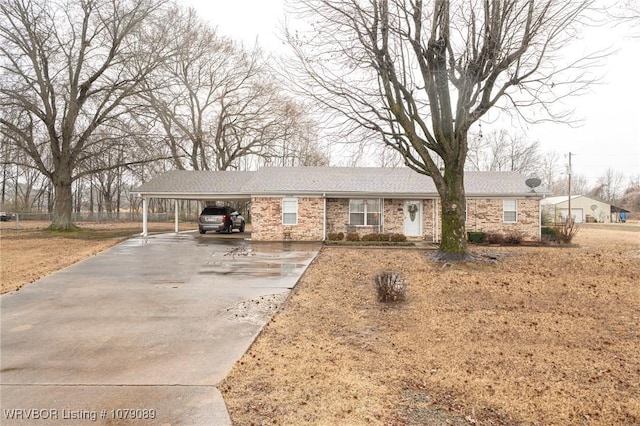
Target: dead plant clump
x,y
391,286
541,335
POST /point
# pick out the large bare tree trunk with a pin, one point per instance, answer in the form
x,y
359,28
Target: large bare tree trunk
x,y
63,203
453,243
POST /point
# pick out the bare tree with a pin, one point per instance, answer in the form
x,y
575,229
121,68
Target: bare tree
x,y
631,197
626,12
420,73
30,186
218,103
389,158
69,68
609,186
185,93
296,141
579,185
550,168
501,151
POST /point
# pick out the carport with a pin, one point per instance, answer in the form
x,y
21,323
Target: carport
x,y
180,185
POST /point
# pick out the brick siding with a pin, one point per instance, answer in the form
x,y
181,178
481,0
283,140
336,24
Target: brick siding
x,y
486,215
266,220
483,215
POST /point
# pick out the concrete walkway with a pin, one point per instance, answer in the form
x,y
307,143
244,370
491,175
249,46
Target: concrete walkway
x,y
141,333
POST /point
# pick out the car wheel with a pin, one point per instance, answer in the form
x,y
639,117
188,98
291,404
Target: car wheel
x,y
202,231
242,227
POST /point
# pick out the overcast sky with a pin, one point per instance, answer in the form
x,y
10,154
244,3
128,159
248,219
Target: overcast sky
x,y
609,137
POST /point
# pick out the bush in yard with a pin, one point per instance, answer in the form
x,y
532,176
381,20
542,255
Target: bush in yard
x,y
397,238
370,237
476,237
353,236
549,233
566,231
514,237
494,238
335,236
391,286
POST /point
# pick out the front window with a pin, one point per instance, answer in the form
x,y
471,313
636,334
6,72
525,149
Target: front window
x,y
364,212
510,211
289,211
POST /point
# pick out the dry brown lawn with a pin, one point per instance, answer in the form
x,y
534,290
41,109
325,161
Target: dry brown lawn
x,y
31,252
527,335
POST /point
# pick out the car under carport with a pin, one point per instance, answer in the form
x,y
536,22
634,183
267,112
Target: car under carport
x,y
206,186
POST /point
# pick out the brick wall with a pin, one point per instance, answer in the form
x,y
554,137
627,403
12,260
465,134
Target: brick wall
x,y
394,216
486,215
337,215
483,215
266,220
430,229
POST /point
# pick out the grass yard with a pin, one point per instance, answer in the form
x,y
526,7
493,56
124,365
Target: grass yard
x,y
31,252
532,336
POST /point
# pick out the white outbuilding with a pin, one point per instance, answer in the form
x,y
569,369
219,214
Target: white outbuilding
x,y
583,209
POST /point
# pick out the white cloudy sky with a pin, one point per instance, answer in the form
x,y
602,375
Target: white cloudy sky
x,y
609,137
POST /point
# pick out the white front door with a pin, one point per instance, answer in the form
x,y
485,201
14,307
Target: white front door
x,y
413,218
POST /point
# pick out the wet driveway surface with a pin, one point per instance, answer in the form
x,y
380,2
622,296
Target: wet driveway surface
x,y
147,329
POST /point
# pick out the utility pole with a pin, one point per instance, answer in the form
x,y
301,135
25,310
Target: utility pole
x,y
569,216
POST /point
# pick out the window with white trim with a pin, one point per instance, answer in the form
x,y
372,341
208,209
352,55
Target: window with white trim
x,y
289,211
510,211
364,212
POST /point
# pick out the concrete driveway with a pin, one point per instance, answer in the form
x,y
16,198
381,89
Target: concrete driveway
x,y
141,333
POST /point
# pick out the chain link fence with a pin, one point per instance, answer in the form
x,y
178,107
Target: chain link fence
x,y
104,217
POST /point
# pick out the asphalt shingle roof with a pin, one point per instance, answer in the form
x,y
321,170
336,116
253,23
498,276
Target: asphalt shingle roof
x,y
196,182
340,180
332,181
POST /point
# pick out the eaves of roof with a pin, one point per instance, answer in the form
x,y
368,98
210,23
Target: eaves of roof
x,y
195,195
405,195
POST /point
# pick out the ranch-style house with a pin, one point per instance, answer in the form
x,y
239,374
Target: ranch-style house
x,y
308,203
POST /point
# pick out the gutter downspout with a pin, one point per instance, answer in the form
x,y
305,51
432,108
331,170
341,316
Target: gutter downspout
x,y
324,218
176,215
433,220
381,226
145,227
539,220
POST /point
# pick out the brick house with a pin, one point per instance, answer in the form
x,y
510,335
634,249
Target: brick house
x,y
308,203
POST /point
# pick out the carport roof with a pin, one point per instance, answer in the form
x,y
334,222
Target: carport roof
x,y
196,184
328,181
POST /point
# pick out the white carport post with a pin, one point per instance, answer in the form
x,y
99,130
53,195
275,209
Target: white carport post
x,y
176,214
145,206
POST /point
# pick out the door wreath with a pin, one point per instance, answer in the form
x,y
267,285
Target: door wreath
x,y
413,209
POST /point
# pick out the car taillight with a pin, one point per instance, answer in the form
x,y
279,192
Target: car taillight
x,y
199,217
224,219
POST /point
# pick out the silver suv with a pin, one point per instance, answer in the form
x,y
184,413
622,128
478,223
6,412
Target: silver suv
x,y
220,219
